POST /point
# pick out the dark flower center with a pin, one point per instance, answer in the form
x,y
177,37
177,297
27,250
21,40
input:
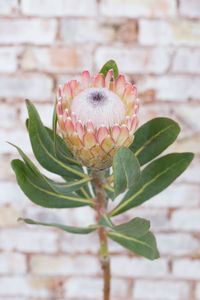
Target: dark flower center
x,y
98,97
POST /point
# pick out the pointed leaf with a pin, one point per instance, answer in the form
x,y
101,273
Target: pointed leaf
x,y
136,227
143,246
126,170
111,64
155,178
59,187
70,229
105,221
54,125
153,138
40,193
43,148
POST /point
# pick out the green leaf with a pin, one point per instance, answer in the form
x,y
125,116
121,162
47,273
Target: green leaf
x,y
70,229
153,138
105,221
154,179
43,148
40,192
126,170
136,227
59,187
111,64
143,246
54,125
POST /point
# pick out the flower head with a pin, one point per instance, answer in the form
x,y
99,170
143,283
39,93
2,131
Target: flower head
x,y
97,117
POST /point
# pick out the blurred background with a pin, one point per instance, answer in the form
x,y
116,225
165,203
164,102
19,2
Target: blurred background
x,y
156,43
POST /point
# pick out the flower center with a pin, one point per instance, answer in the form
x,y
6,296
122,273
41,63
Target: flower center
x,y
100,105
98,96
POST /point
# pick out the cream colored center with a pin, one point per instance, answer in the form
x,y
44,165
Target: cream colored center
x,y
99,105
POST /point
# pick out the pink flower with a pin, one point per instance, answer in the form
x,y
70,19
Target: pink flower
x,y
97,117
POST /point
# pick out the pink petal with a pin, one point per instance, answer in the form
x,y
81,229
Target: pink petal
x,y
134,124
107,144
67,92
137,106
85,80
120,85
75,87
59,108
69,126
115,132
79,129
127,93
109,75
73,116
99,81
89,139
102,133
90,126
124,133
65,115
128,122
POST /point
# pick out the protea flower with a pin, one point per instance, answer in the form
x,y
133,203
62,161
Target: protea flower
x,y
97,117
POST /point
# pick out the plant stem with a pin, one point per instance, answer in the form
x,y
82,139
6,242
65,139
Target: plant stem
x,y
99,180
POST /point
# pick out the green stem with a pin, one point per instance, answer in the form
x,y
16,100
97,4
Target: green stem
x,y
98,180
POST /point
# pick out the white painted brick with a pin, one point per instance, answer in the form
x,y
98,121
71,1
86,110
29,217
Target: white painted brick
x,y
8,59
17,137
185,219
186,115
137,8
177,195
9,215
80,244
59,8
6,171
158,217
28,240
170,87
8,114
64,265
138,267
197,291
31,86
176,244
161,32
136,60
73,243
36,31
26,286
190,8
45,111
161,290
98,31
8,7
68,59
186,60
81,31
186,269
192,174
12,263
92,288
11,193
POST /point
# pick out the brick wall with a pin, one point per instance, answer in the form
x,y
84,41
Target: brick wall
x,y
157,44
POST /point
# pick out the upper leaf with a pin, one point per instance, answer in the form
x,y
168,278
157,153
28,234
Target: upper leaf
x,y
44,150
155,178
111,64
153,138
39,191
126,170
70,229
136,227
